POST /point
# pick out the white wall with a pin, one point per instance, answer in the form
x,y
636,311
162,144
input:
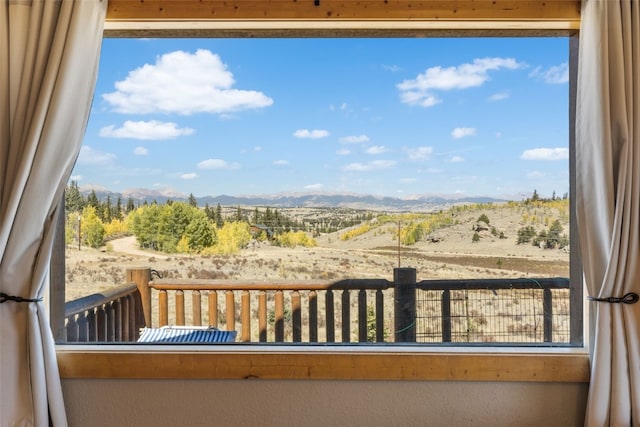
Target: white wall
x,y
139,403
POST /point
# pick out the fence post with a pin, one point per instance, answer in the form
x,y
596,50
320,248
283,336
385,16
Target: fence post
x,y
141,277
547,313
446,315
404,291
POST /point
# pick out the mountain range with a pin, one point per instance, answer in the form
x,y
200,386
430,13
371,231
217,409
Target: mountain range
x,y
310,200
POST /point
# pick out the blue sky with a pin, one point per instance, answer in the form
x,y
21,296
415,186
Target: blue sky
x,y
392,117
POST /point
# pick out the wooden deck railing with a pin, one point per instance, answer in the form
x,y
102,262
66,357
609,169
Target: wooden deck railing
x,y
112,316
275,314
349,310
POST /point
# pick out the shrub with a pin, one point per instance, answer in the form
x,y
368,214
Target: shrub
x,y
292,239
363,228
525,234
484,218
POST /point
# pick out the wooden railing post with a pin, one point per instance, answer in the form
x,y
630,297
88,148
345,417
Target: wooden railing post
x,y
245,315
404,292
141,277
262,316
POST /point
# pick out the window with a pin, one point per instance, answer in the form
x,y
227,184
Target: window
x,y
550,18
448,130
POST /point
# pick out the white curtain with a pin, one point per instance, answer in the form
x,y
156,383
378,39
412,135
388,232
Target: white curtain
x,y
49,54
608,203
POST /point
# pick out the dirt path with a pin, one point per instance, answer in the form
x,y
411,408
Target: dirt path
x,y
128,245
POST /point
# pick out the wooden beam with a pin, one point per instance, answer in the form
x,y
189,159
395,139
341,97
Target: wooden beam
x,y
338,18
324,365
344,9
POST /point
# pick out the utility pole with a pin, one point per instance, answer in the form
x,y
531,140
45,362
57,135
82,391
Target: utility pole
x,y
399,242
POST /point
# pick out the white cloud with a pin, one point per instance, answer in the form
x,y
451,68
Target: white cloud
x,y
313,187
145,130
189,175
76,178
376,149
280,162
370,166
458,133
420,91
536,174
217,164
457,159
419,98
392,68
183,83
499,96
557,74
419,153
140,151
354,139
343,152
311,134
546,154
90,156
342,107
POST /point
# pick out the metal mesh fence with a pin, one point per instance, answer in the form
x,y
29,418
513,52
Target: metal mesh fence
x,y
487,316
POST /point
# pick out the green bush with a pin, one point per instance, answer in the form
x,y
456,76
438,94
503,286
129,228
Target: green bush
x,y
484,218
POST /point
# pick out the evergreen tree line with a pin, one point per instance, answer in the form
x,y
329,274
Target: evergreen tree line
x,y
172,227
106,210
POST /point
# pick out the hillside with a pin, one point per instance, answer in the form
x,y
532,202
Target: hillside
x,y
447,252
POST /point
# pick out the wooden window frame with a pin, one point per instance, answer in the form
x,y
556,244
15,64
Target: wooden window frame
x,y
337,18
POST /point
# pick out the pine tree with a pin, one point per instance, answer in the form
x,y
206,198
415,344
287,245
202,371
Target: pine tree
x,y
92,200
219,219
106,211
118,211
211,214
192,200
239,217
73,199
554,236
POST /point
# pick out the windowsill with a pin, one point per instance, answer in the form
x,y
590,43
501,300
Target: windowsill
x,y
403,363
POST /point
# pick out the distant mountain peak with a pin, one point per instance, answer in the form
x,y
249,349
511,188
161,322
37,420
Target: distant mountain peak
x,y
324,199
